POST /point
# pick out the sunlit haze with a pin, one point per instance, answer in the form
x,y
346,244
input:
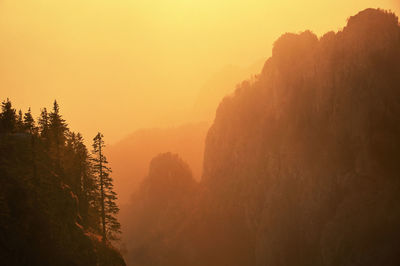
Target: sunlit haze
x,y
121,65
211,132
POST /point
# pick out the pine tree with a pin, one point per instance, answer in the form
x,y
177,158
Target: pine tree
x,y
87,183
78,171
43,123
20,123
7,117
29,122
57,133
108,207
28,125
43,204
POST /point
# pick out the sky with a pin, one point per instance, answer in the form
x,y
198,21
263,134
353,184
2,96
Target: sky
x,y
119,65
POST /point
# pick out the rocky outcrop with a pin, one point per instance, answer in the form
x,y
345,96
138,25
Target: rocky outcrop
x,y
159,210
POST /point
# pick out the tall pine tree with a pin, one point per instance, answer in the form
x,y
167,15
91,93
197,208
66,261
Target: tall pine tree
x,y
8,117
87,182
28,125
79,176
108,207
29,122
57,133
43,123
20,122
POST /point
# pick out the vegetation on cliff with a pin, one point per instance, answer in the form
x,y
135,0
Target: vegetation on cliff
x,y
49,194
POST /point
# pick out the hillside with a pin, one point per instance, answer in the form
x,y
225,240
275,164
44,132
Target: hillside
x,y
50,195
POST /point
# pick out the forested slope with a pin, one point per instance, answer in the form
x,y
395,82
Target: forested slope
x,y
49,194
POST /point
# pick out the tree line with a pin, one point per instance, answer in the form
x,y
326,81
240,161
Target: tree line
x,y
53,155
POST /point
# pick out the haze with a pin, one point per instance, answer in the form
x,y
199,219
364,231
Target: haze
x,y
124,65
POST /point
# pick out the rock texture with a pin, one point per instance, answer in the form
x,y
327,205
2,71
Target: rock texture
x,y
302,163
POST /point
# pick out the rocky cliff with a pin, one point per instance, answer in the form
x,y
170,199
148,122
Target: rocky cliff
x,y
301,164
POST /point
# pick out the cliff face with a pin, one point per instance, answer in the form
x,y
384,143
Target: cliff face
x,y
301,163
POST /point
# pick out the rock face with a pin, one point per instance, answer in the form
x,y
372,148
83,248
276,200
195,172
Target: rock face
x,y
158,212
302,163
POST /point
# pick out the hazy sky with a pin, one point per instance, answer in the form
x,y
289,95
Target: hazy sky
x,y
119,65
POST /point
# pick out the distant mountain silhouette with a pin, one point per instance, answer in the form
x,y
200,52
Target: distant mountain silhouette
x,y
131,156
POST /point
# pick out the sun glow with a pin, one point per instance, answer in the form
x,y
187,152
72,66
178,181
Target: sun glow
x,y
143,61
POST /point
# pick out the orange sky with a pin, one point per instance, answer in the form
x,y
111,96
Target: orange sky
x,y
120,65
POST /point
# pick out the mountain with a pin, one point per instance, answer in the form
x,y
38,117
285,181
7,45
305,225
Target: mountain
x,y
131,156
301,162
158,211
